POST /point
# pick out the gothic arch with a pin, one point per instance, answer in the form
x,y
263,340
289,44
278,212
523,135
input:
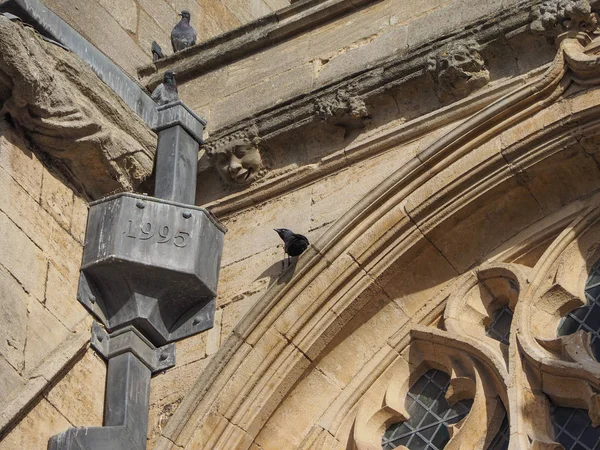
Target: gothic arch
x,y
431,218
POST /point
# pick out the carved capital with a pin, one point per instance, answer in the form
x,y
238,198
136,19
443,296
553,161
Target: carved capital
x,y
457,69
344,108
237,157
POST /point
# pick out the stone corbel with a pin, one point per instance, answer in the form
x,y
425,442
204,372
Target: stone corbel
x,y
237,157
67,112
344,108
457,70
555,18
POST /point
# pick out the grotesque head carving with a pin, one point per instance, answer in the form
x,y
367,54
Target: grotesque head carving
x,y
458,69
237,158
554,17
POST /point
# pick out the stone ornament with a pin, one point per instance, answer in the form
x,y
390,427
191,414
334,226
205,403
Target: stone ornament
x,y
527,374
66,111
555,17
344,109
449,332
237,157
457,70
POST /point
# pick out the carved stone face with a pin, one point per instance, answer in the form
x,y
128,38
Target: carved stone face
x,y
238,163
459,70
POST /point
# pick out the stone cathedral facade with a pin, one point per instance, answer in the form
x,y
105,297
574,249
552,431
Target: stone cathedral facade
x,y
443,159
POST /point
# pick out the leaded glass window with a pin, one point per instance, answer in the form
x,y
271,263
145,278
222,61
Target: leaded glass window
x,y
499,329
573,429
500,441
587,317
430,414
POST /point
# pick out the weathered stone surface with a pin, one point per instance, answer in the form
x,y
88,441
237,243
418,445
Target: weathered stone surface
x,y
33,431
99,27
149,30
554,17
61,298
458,69
13,321
125,12
44,334
79,219
67,111
19,162
22,258
78,395
10,381
246,232
360,339
57,199
247,10
312,395
40,227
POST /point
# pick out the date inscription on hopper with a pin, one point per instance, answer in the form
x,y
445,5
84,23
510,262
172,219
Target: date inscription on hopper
x,y
158,233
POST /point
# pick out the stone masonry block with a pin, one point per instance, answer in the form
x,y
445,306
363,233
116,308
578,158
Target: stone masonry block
x,y
22,258
57,199
44,334
19,162
79,219
36,428
294,418
125,12
61,298
13,320
39,226
78,396
10,381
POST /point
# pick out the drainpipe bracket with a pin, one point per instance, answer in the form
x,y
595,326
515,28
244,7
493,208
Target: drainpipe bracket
x,y
129,339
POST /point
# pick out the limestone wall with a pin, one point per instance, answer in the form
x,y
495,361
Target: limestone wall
x,y
328,53
124,29
43,328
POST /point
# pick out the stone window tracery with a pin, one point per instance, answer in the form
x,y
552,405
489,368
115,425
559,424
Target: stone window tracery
x,y
518,345
430,414
586,318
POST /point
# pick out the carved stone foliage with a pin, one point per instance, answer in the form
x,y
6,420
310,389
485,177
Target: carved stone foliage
x,y
543,379
554,17
66,111
237,157
344,109
457,70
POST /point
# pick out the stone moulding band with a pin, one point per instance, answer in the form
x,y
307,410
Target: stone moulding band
x,y
259,34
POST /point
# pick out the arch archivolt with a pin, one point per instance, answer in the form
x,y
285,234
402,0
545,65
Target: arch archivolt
x,y
410,278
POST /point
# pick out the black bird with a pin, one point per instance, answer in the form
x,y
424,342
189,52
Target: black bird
x,y
157,52
183,35
166,92
293,244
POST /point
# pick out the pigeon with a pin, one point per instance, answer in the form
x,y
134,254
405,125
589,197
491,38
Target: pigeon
x,y
183,35
166,92
157,52
294,244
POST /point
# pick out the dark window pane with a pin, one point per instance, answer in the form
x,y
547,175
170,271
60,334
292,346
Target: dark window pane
x,y
587,317
500,441
429,415
499,329
573,429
